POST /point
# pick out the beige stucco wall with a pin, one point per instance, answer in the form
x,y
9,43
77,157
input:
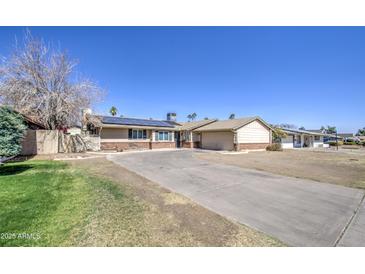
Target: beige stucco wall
x,y
217,140
253,133
114,134
119,135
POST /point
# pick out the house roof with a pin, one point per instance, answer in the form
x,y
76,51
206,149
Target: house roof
x,y
30,120
109,120
315,130
232,124
196,124
174,123
346,135
291,130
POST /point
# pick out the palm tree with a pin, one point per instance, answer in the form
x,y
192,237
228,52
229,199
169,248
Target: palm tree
x,y
113,111
189,117
193,116
232,116
331,130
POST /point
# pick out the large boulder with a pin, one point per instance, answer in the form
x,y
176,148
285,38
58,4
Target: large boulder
x,y
77,143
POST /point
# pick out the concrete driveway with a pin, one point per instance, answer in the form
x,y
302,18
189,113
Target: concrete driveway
x,y
299,212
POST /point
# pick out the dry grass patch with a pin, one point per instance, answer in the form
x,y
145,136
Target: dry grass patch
x,y
347,169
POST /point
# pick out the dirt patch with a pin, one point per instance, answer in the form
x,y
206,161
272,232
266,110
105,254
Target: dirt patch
x,y
170,219
330,167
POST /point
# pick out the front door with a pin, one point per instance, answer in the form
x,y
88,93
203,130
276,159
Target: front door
x,y
177,139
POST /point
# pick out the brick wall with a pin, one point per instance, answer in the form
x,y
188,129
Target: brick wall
x,y
186,144
120,146
190,144
157,145
239,147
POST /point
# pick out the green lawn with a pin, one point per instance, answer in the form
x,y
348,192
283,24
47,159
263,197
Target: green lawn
x,y
48,203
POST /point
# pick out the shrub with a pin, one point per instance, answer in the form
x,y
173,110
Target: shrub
x,y
12,129
349,143
333,143
274,147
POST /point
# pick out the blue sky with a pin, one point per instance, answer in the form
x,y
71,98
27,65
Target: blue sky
x,y
307,76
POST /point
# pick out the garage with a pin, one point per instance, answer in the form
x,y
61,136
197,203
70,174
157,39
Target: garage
x,y
251,133
217,140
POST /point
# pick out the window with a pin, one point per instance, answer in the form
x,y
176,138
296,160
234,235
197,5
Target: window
x,y
163,136
136,134
317,138
186,136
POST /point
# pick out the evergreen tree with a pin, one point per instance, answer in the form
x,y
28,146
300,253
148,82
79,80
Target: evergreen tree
x,y
12,130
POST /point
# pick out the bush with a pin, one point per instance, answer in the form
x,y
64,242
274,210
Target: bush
x,y
12,129
333,143
274,147
350,143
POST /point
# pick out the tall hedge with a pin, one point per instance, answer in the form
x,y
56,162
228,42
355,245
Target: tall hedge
x,y
12,130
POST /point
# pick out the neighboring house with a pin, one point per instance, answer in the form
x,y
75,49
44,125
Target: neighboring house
x,y
236,134
130,133
297,138
346,136
328,137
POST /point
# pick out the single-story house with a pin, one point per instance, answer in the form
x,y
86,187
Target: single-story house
x,y
118,133
251,133
346,136
297,138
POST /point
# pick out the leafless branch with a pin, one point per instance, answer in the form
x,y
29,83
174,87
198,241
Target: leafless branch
x,y
40,82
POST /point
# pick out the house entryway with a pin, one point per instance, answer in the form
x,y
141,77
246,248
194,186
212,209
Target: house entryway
x,y
177,139
308,141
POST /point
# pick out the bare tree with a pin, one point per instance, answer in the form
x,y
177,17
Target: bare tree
x,y
41,82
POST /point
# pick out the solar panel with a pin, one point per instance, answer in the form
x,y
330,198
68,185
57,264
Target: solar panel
x,y
135,122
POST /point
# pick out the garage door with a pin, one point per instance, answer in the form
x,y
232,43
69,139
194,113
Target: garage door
x,y
217,140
